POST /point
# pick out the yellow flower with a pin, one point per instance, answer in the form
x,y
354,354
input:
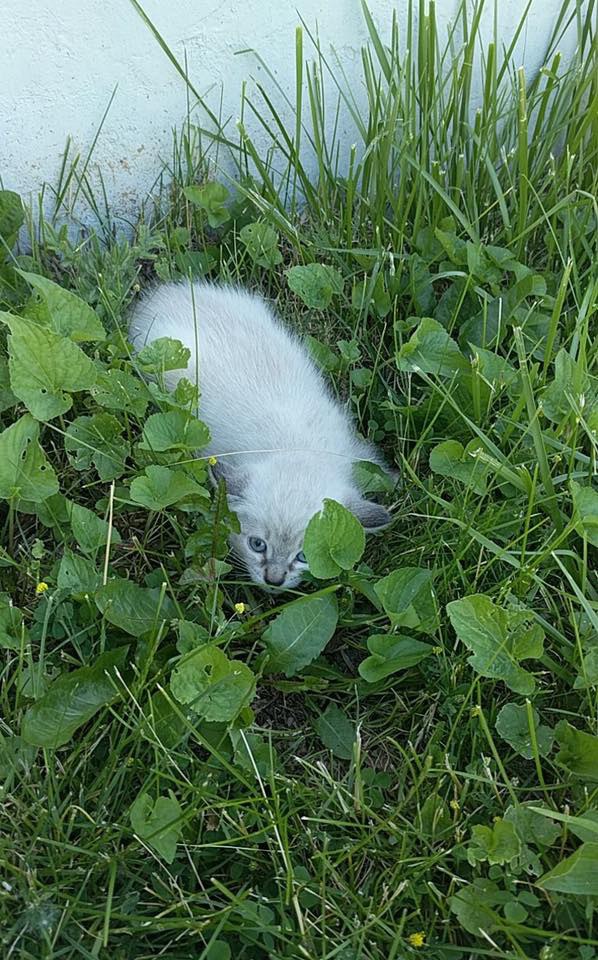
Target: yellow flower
x,y
212,461
41,587
239,608
454,805
417,939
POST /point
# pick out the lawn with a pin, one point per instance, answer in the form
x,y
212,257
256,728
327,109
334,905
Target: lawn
x,y
180,777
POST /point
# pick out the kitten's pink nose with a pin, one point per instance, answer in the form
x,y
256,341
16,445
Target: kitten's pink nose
x,y
274,578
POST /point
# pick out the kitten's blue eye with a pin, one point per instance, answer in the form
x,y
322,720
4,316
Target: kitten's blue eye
x,y
301,558
257,544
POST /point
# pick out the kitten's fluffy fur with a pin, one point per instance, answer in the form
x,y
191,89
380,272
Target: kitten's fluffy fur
x,y
283,443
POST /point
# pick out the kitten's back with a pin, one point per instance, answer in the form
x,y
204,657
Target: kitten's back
x,y
259,387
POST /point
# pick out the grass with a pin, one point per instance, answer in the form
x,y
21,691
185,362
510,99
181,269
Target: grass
x,y
340,817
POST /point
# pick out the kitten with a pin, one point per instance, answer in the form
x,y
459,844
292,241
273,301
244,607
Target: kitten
x,y
283,443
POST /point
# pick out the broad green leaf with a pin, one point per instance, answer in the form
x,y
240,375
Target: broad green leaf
x,y
407,596
72,700
336,731
431,350
215,687
210,197
390,653
588,670
452,459
315,284
261,242
97,440
577,874
474,906
496,844
78,575
499,639
89,530
562,396
324,355
191,636
579,751
12,217
512,724
136,610
65,313
159,823
174,430
161,487
532,827
162,355
334,541
252,751
7,397
45,368
585,827
25,474
585,506
300,633
120,390
488,326
12,630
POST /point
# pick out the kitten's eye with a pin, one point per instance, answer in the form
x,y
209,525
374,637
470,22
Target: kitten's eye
x,y
257,544
301,558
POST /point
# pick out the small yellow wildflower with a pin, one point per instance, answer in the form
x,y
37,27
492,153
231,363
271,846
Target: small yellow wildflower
x,y
417,939
454,805
239,608
212,461
41,587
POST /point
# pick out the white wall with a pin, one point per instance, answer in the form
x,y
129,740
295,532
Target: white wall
x,y
61,59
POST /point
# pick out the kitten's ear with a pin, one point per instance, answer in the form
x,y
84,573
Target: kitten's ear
x,y
372,516
234,479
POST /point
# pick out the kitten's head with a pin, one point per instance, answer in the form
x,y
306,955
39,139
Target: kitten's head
x,y
275,499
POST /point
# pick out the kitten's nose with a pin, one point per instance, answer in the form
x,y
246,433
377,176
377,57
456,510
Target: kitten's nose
x,y
274,578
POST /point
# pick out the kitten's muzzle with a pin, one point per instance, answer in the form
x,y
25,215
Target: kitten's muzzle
x,y
274,578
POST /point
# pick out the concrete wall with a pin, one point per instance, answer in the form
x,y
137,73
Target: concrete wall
x,y
60,61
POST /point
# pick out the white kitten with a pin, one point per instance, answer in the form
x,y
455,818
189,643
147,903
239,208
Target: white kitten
x,y
283,443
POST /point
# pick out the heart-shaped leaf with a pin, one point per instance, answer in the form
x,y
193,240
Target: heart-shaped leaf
x,y
65,313
261,242
512,724
12,217
210,197
159,823
162,355
45,368
90,531
134,609
215,687
97,440
299,633
334,541
72,700
78,575
579,751
407,596
390,653
161,487
336,731
452,459
499,639
120,390
315,284
431,350
25,474
174,430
